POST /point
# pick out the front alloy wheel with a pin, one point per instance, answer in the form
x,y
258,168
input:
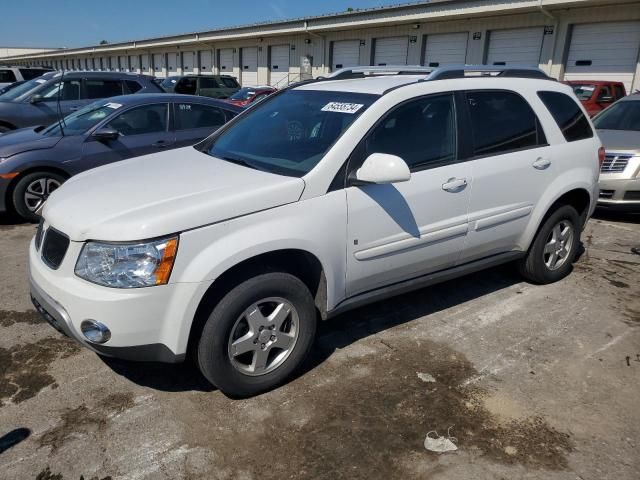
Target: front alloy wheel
x,y
32,190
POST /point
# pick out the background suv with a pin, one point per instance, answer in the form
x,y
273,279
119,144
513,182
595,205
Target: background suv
x,y
619,129
323,197
215,86
36,102
9,75
36,161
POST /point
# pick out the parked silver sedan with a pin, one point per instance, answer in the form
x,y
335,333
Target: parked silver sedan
x,y
619,129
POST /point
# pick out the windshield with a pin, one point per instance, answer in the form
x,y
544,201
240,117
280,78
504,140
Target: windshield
x,y
22,89
290,133
82,120
243,94
583,92
620,116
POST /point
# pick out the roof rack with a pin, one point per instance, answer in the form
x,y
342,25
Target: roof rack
x,y
440,73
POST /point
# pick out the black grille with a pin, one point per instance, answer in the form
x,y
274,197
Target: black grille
x,y
606,193
39,234
632,195
54,248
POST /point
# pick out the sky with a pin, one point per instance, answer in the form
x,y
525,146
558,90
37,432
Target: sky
x,y
76,23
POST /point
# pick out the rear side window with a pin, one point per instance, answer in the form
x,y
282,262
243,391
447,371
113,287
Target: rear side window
x,y
619,91
193,115
229,82
208,83
568,115
7,76
98,88
29,73
502,122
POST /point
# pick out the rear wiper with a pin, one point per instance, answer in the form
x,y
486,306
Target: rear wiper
x,y
240,161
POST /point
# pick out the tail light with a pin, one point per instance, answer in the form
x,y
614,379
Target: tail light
x,y
601,154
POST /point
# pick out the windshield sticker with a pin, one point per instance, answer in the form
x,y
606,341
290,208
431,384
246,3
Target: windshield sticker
x,y
340,107
113,105
39,80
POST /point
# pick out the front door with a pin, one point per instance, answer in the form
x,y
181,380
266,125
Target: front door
x,y
59,100
142,130
404,230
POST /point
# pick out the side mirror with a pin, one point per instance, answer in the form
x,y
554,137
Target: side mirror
x,y
106,134
605,99
36,98
383,168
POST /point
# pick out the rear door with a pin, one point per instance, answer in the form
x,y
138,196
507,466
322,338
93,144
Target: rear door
x,y
400,231
143,129
194,121
512,166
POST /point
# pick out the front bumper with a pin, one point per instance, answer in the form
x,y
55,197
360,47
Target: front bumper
x,y
619,194
146,324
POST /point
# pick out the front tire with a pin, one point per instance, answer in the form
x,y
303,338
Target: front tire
x,y
258,335
32,191
554,248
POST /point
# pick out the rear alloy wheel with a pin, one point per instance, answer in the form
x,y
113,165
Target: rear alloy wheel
x,y
258,334
32,191
554,248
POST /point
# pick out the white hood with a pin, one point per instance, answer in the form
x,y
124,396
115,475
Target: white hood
x,y
163,193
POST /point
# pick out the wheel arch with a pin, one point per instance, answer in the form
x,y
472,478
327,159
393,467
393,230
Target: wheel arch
x,y
301,263
31,169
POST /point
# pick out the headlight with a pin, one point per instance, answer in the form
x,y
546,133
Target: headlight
x,y
127,265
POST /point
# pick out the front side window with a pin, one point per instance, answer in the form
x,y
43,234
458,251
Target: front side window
x,y
193,115
99,88
187,86
67,90
421,132
79,122
141,120
623,115
568,115
502,122
290,133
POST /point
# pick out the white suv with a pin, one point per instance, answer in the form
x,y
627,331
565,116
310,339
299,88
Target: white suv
x,y
325,196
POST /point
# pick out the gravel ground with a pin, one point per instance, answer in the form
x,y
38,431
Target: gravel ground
x,y
531,381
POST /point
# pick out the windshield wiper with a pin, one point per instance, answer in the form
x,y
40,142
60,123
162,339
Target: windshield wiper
x,y
240,161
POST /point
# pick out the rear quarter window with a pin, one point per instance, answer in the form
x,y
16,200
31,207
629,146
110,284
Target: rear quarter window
x,y
7,76
568,115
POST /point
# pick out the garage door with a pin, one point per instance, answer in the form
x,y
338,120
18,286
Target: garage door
x,y
279,65
206,61
188,62
249,77
391,51
134,62
172,63
515,47
225,60
604,51
158,63
146,63
124,63
346,53
446,49
113,66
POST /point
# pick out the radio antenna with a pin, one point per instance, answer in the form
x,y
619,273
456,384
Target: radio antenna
x,y
59,108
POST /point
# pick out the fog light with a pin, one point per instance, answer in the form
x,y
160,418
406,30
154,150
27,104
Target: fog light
x,y
95,332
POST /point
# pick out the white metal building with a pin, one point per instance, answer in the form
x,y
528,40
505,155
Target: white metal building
x,y
569,39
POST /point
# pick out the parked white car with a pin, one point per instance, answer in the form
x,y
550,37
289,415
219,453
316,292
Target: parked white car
x,y
9,75
325,196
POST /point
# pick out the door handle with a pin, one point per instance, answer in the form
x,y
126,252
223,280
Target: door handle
x,y
73,109
454,184
541,163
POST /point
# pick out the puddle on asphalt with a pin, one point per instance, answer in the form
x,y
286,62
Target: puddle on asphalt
x,y
11,317
24,368
362,424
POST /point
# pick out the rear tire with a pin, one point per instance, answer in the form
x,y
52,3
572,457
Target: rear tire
x,y
554,248
32,191
258,335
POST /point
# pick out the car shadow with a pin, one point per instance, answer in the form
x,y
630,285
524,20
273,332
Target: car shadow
x,y
338,332
10,220
619,217
13,438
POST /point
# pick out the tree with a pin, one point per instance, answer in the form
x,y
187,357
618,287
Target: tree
x,y
103,42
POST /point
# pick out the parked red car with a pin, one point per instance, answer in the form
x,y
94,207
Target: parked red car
x,y
596,95
248,95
